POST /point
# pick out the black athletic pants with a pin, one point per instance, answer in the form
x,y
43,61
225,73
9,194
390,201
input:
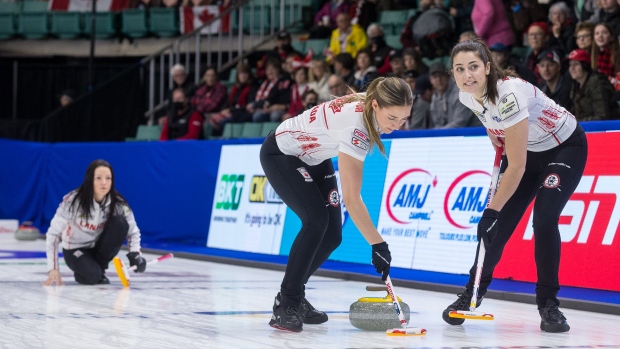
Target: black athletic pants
x,y
551,177
89,264
312,193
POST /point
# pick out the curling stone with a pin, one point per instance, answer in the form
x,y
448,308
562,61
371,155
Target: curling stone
x,y
376,313
27,231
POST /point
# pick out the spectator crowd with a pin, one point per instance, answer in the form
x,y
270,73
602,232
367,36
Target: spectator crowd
x,y
569,49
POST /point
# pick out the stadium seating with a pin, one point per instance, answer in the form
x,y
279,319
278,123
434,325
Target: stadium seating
x,y
148,133
164,22
232,130
8,11
268,127
393,41
105,24
33,21
389,20
251,130
134,23
66,25
317,45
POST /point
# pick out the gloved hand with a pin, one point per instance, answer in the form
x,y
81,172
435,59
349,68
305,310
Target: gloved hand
x,y
487,227
381,259
137,260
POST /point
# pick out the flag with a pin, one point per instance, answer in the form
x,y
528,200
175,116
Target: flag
x,y
86,5
193,17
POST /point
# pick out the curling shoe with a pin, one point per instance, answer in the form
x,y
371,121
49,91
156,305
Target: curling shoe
x,y
309,314
104,280
285,318
462,303
552,319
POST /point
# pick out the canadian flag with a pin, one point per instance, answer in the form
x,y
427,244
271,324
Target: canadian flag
x,y
86,5
193,17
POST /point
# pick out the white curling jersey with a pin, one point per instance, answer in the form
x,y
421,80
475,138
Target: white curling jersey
x,y
320,133
549,123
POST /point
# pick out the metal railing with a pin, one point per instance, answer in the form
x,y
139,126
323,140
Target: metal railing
x,y
249,23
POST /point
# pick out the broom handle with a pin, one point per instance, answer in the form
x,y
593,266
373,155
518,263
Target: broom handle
x,y
481,249
390,289
154,261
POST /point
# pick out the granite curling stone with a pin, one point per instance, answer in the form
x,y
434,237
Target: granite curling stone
x,y
376,313
27,232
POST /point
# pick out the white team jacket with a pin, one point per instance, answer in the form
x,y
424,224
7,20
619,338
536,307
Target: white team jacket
x,y
75,231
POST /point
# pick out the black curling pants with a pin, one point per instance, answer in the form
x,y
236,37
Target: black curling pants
x,y
551,177
312,193
89,264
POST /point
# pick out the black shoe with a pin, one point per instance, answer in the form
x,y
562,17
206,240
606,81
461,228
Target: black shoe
x,y
285,317
103,281
552,319
462,303
309,314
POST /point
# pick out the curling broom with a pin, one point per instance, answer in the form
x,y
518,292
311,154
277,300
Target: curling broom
x,y
123,273
404,331
472,314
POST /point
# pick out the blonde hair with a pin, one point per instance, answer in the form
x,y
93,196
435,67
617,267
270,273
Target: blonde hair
x,y
388,92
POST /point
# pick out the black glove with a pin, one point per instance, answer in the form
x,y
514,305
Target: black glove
x,y
381,259
137,260
487,227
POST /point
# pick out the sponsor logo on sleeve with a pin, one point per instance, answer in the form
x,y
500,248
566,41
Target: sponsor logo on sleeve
x,y
508,106
361,134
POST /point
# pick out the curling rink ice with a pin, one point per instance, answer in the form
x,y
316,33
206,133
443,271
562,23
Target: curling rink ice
x,y
184,303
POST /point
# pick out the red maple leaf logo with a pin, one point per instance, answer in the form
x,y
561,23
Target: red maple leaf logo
x,y
205,16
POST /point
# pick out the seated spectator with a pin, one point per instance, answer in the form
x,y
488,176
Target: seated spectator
x,y
500,54
366,12
460,11
524,13
592,93
144,4
586,10
406,36
310,99
410,77
182,121
413,61
397,65
537,38
366,72
242,93
66,97
421,110
337,86
380,50
273,96
584,36
282,50
606,52
446,110
609,13
468,35
344,66
171,3
325,20
319,73
211,96
555,85
491,23
347,37
180,80
562,27
296,106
